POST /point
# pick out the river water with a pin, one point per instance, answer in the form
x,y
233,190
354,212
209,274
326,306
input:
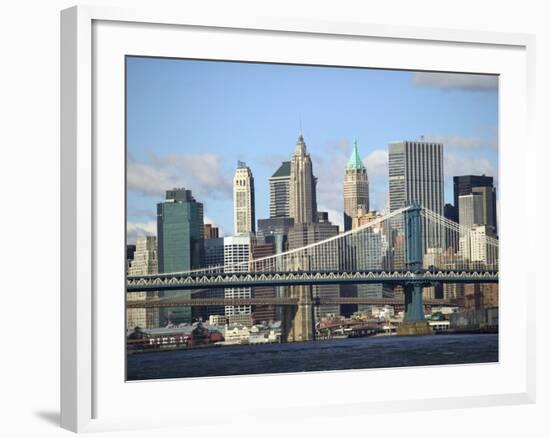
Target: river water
x,y
337,354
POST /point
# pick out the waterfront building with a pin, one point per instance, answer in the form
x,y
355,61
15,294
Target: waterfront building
x,y
416,175
144,262
242,319
244,219
302,185
180,242
356,188
279,192
480,295
211,232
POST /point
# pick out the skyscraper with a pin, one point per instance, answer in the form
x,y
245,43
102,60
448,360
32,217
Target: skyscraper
x,y
469,215
211,232
279,191
236,254
482,185
301,235
356,188
302,205
488,206
144,262
416,175
180,240
243,201
470,210
266,312
463,184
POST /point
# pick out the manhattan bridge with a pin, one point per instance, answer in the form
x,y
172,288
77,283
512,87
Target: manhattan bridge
x,y
412,247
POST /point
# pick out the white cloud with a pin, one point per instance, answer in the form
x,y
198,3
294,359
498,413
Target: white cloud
x,y
456,81
457,165
200,173
138,229
455,141
377,163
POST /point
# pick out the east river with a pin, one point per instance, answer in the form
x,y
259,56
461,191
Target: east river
x,y
337,354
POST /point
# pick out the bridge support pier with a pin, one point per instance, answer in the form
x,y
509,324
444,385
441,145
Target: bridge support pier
x,y
414,322
298,322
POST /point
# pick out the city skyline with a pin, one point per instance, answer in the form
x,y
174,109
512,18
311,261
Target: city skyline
x,y
470,143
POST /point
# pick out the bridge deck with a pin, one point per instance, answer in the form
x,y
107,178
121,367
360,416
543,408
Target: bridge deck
x,y
200,302
254,279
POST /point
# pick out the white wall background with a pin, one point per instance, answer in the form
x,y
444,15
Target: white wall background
x,y
29,215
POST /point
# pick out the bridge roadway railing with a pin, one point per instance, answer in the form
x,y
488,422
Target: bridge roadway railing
x,y
252,279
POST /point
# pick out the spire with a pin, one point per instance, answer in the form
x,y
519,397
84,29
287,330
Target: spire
x,y
300,146
355,161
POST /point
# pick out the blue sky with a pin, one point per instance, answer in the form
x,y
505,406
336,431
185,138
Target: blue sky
x,y
189,122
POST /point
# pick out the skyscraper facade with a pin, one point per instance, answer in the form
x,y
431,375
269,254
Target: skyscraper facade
x,y
180,242
236,254
264,313
302,199
470,210
488,206
481,185
243,201
279,191
356,188
416,175
144,262
211,232
463,184
305,234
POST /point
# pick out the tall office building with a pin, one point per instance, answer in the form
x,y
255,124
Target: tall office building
x,y
244,219
144,262
236,254
264,313
279,191
416,175
463,184
211,232
302,199
305,234
356,188
473,232
180,242
482,185
470,210
488,206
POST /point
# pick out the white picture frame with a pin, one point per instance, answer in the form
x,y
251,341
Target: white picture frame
x,y
89,399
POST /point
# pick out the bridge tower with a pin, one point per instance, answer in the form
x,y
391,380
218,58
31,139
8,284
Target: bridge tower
x,y
414,322
298,323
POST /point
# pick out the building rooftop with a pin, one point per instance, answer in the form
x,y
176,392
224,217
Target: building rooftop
x,y
283,170
355,161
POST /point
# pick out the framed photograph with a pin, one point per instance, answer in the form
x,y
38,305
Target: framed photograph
x,y
273,207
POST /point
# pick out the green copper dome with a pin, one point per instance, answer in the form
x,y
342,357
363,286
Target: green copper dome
x,y
355,160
